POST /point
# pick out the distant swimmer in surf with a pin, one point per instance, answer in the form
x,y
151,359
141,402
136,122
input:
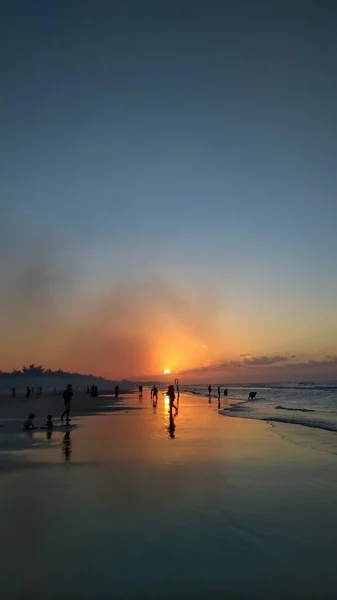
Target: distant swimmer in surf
x,y
252,395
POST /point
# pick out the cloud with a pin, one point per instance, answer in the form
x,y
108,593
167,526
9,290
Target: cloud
x,y
329,361
262,361
277,364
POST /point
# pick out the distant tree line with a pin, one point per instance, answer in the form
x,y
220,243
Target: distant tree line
x,y
39,371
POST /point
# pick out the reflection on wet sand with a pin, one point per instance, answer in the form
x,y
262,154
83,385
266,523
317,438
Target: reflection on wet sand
x,y
67,446
172,426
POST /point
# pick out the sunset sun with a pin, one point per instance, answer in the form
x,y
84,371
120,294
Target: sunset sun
x,y
167,372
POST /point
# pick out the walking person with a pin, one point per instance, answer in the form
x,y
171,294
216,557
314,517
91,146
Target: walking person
x,y
67,396
170,393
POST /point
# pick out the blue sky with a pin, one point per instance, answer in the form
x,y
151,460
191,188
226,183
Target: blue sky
x,y
189,141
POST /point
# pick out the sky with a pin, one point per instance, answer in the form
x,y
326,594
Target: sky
x,y
168,188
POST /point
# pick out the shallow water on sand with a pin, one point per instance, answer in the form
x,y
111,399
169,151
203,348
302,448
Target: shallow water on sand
x,y
138,505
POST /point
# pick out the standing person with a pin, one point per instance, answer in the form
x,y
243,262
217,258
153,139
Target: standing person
x,y
170,393
225,392
155,393
67,396
116,391
28,392
140,391
209,390
218,392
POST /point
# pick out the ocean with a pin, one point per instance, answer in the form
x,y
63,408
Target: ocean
x,y
309,404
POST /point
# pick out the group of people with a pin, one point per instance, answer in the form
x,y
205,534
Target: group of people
x,y
67,397
225,392
29,423
93,391
29,391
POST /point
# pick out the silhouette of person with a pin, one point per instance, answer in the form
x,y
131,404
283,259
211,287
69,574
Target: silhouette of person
x,y
218,391
49,422
67,396
94,391
209,390
28,392
155,393
252,395
116,391
29,423
140,388
67,446
170,393
225,392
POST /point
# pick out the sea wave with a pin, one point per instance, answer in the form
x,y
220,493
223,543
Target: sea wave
x,y
305,410
244,410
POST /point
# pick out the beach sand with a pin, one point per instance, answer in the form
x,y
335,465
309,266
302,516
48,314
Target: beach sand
x,y
137,505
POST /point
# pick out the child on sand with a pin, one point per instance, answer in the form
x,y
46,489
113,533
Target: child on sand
x,y
49,423
29,423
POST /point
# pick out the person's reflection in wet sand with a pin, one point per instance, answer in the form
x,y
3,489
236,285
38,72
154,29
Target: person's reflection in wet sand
x,y
171,427
66,447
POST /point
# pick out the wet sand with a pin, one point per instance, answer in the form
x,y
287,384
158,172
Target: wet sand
x,y
137,505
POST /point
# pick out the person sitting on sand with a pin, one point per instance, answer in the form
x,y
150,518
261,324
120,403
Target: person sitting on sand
x,y
29,423
49,422
67,396
252,395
